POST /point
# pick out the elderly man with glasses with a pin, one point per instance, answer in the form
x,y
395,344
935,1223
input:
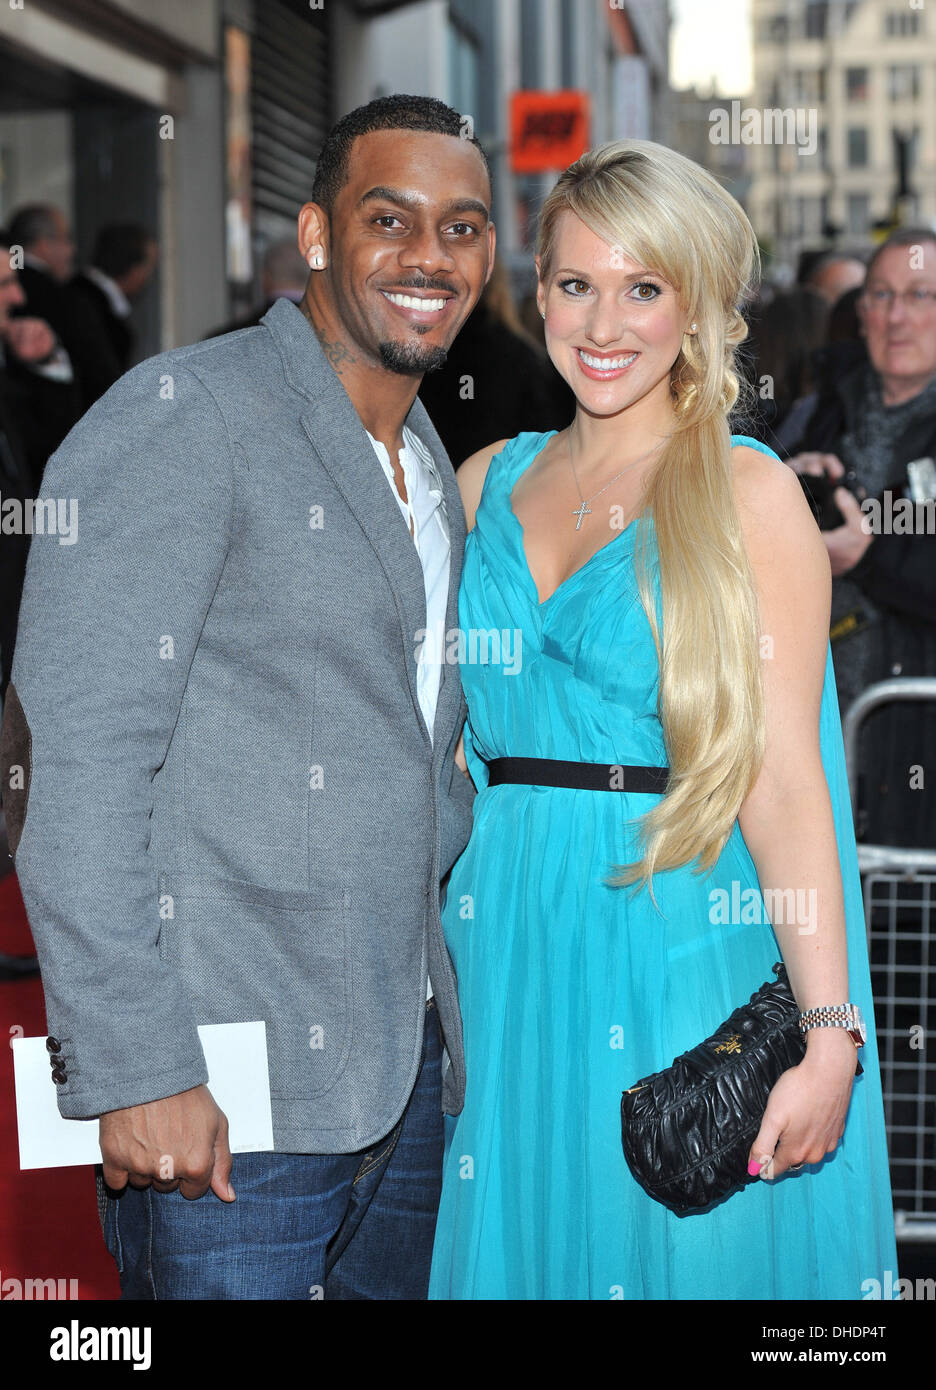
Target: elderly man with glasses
x,y
874,428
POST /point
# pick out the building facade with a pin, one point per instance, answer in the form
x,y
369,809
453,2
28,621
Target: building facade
x,y
865,72
203,118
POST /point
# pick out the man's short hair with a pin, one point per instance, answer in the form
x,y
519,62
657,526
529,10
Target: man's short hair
x,y
119,247
397,112
904,236
813,263
31,223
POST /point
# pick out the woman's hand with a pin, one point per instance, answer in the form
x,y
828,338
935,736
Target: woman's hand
x,y
806,1109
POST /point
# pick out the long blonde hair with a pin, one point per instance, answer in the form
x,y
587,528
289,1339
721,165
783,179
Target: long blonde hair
x,y
670,215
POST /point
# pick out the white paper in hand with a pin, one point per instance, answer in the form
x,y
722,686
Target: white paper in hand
x,y
238,1078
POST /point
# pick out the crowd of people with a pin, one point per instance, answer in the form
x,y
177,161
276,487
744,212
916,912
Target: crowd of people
x,y
470,887
65,338
843,373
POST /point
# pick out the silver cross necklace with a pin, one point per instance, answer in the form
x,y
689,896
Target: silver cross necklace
x,y
585,510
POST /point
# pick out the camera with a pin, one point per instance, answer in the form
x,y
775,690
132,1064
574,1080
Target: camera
x,y
819,488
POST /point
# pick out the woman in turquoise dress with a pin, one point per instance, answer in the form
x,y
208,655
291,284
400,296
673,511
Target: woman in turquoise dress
x,y
598,933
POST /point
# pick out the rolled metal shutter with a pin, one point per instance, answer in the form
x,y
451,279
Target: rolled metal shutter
x,y
291,107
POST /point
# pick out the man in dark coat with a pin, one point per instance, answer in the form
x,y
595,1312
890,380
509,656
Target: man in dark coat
x,y
877,421
46,387
99,301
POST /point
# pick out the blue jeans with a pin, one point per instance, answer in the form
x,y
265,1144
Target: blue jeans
x,y
303,1226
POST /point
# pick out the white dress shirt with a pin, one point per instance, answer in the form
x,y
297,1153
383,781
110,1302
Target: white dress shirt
x,y
116,298
427,522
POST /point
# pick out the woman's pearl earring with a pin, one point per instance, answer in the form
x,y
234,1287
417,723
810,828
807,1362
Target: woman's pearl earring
x,y
543,313
693,328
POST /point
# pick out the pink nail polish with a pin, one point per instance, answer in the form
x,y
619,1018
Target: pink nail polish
x,y
753,1168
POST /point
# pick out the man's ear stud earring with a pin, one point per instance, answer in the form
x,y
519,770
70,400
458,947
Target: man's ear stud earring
x,y
317,262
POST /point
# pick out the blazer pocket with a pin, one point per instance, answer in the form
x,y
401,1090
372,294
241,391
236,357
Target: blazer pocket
x,y
248,953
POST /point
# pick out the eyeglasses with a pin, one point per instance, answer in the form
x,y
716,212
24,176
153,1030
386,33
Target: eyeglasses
x,y
918,300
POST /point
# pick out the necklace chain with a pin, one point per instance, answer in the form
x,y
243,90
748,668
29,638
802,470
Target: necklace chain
x,y
585,510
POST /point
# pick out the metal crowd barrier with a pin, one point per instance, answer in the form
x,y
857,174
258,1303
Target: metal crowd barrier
x,y
899,887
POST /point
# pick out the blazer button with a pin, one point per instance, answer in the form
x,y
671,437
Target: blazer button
x,y
53,1045
58,1076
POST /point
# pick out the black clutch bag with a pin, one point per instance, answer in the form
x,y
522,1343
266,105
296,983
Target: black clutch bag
x,y
687,1131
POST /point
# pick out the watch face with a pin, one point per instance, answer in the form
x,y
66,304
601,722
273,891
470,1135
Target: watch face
x,y
859,1027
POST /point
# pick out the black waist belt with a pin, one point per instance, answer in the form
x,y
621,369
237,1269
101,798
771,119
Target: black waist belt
x,y
590,777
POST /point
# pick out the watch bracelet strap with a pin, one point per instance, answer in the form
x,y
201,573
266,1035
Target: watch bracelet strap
x,y
827,1016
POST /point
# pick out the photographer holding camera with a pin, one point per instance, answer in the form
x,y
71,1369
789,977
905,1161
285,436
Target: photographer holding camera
x,y
873,431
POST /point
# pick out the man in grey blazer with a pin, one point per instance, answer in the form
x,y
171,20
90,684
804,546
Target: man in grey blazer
x,y
229,768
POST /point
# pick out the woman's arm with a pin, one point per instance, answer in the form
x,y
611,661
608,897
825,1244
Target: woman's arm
x,y
786,819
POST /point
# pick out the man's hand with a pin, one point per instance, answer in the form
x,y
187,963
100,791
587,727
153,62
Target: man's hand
x,y
847,543
32,340
180,1142
817,464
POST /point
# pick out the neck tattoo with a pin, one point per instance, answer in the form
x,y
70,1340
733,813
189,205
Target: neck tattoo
x,y
336,352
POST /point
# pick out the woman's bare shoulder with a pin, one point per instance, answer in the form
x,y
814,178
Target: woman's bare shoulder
x,y
470,477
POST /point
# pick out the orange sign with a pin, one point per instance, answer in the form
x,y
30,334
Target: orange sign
x,y
548,130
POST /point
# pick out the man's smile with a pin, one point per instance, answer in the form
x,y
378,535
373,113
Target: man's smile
x,y
419,306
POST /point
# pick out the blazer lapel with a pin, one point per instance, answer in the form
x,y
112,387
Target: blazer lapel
x,y
341,443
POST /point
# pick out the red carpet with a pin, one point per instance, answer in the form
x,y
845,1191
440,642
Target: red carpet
x,y
49,1226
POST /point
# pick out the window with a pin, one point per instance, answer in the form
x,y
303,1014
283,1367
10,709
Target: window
x,y
900,24
463,71
856,84
903,82
530,44
817,18
808,86
820,159
857,146
858,213
569,30
809,216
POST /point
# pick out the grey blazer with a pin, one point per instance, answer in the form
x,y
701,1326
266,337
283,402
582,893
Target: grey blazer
x,y
230,807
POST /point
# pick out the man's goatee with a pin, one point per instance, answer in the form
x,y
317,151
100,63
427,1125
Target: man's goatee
x,y
409,359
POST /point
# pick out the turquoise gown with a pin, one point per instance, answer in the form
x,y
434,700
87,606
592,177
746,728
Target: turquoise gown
x,y
571,990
